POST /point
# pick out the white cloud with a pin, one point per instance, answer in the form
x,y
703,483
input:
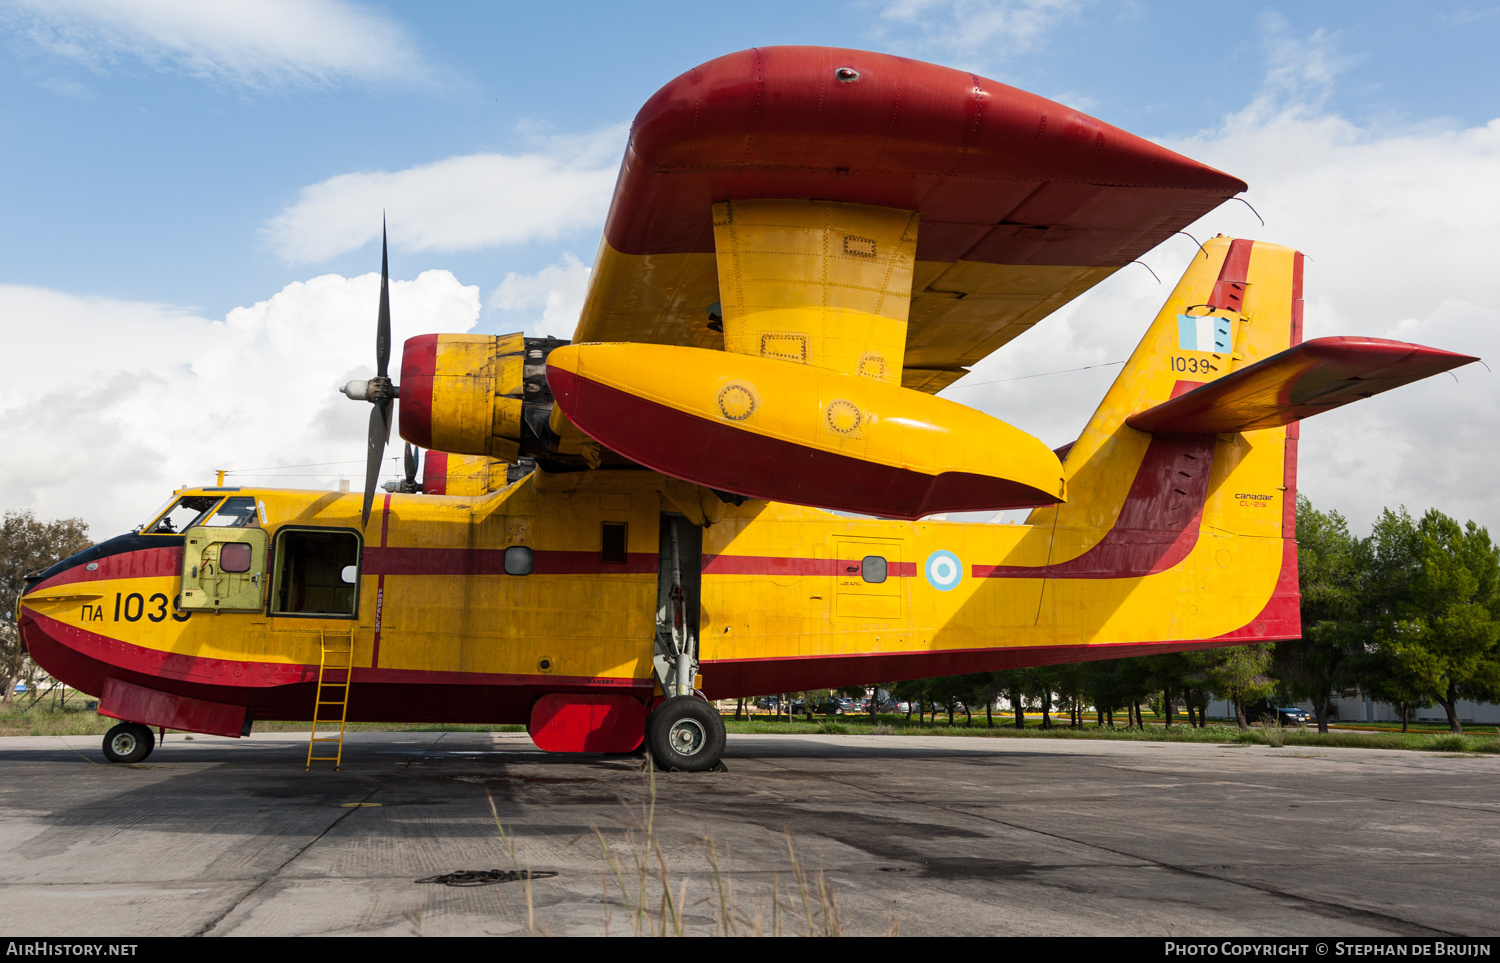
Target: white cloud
x,y
1399,229
975,33
1303,69
557,289
250,43
120,402
458,204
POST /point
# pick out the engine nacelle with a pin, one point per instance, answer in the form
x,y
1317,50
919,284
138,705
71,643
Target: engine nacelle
x,y
475,394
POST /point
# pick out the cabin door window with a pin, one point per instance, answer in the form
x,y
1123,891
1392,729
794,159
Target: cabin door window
x,y
223,569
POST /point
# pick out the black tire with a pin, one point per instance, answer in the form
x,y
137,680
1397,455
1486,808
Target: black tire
x,y
128,742
685,734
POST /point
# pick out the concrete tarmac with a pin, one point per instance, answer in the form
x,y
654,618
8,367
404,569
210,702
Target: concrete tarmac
x,y
903,835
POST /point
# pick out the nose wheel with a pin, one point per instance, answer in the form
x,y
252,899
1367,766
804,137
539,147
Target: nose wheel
x,y
685,733
129,742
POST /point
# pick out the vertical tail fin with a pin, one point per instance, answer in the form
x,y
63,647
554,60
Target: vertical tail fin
x,y
1219,510
1238,302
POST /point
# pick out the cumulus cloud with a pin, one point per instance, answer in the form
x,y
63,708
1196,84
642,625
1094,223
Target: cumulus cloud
x,y
458,204
1399,229
121,402
974,32
557,289
248,43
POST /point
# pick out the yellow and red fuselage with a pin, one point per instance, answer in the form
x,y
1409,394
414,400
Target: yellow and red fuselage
x,y
442,633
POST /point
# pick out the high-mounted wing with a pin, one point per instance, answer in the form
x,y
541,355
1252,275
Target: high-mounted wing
x,y
805,245
1022,204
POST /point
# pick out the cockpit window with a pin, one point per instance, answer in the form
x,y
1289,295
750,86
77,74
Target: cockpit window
x,y
183,514
236,512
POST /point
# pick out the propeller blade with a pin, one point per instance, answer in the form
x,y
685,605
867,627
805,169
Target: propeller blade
x,y
411,463
380,433
383,324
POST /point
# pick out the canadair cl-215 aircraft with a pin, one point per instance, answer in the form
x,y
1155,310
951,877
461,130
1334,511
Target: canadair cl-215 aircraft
x,y
804,246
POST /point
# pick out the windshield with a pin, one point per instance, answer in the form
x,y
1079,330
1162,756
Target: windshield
x,y
182,514
234,513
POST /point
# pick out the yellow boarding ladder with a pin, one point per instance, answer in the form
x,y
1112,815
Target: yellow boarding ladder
x,y
335,672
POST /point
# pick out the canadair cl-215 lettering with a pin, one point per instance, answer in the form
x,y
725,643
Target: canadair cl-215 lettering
x,y
805,245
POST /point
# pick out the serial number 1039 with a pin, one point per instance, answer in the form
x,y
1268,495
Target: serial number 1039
x,y
1190,365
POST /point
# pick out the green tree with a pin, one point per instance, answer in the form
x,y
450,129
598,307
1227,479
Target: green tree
x,y
1014,685
1240,674
1386,676
27,546
1069,680
1101,686
912,692
1447,633
1195,668
1333,569
1136,678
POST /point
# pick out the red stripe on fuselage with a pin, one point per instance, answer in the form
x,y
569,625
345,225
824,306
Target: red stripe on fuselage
x,y
1280,618
780,565
143,563
1158,523
491,561
85,659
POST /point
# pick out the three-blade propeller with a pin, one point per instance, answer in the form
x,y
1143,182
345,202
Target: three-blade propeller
x,y
379,391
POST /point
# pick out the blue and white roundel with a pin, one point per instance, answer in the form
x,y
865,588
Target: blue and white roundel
x,y
944,571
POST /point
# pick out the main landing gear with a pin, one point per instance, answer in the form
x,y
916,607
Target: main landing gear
x,y
685,733
129,742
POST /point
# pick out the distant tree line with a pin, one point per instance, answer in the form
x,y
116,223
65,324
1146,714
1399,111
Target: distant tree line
x,y
26,546
1409,616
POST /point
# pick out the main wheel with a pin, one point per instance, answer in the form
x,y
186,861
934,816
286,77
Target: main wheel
x,y
128,742
685,733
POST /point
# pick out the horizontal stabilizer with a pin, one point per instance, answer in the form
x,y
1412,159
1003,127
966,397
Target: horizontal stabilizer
x,y
1302,381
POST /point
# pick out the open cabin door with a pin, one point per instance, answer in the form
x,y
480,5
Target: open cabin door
x,y
678,592
223,569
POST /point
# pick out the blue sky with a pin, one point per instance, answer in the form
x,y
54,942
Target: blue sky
x,y
146,179
178,171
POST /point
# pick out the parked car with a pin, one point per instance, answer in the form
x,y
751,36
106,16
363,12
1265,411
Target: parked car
x,y
828,708
1285,715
